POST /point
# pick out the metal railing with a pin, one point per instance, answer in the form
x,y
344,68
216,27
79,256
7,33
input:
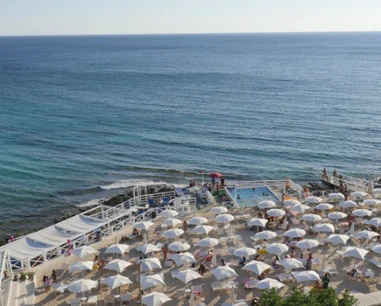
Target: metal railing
x,y
345,179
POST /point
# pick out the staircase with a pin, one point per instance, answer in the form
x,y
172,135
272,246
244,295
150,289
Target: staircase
x,y
20,293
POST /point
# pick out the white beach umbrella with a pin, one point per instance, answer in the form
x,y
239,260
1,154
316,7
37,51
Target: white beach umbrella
x,y
366,235
348,204
197,221
208,242
148,248
266,204
256,267
336,196
116,281
314,200
169,213
149,281
84,251
187,276
118,265
336,239
376,248
291,202
307,244
223,272
306,276
173,233
179,246
277,248
155,299
257,222
299,208
265,235
224,218
184,258
295,233
269,283
375,222
276,212
311,218
362,213
372,202
172,222
145,225
117,249
202,229
149,264
324,206
219,210
337,215
292,263
358,194
355,252
241,252
81,266
324,228
82,285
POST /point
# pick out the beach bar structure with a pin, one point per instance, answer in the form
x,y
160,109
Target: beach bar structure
x,y
83,229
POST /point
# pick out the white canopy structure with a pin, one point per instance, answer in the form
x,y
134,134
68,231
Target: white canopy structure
x,y
86,228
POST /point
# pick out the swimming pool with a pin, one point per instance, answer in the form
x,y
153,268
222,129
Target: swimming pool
x,y
252,196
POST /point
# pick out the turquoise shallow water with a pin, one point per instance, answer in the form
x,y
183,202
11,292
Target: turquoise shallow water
x,y
81,116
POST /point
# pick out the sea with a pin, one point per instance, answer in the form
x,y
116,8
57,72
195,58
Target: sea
x,y
84,117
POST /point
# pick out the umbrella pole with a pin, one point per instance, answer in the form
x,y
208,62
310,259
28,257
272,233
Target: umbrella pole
x,y
140,286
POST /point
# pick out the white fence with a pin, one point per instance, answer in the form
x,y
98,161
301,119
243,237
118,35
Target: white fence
x,y
115,219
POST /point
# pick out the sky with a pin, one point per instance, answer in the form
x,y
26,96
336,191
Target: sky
x,y
76,17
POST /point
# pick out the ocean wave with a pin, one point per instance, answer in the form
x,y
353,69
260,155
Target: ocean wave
x,y
162,170
129,183
90,203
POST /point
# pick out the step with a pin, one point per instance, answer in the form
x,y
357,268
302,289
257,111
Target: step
x,y
20,301
29,293
14,293
6,291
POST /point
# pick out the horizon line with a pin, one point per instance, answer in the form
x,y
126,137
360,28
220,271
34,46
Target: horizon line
x,y
188,33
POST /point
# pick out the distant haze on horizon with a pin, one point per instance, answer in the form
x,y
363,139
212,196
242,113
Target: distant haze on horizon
x,y
180,17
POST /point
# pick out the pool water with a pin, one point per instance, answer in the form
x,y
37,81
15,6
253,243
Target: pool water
x,y
252,196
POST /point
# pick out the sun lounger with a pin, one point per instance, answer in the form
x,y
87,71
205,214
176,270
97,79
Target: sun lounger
x,y
109,300
375,262
92,301
75,302
285,277
197,290
180,294
125,299
218,286
249,283
59,288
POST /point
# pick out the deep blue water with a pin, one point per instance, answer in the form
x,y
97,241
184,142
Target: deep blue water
x,y
78,113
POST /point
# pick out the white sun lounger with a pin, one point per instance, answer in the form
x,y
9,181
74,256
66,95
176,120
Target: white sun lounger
x,y
375,262
59,288
218,286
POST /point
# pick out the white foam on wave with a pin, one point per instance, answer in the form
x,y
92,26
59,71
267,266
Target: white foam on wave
x,y
130,183
91,203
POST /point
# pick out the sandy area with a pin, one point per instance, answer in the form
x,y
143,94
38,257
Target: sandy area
x,y
339,282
